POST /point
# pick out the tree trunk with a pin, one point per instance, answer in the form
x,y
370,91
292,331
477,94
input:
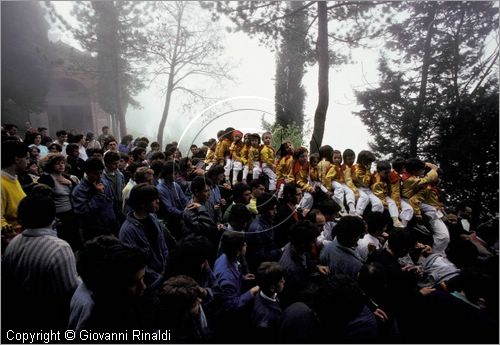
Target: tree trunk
x,y
170,85
323,69
415,121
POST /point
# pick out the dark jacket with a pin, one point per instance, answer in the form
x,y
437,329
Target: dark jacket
x,y
340,259
265,319
132,232
261,245
95,210
198,221
77,165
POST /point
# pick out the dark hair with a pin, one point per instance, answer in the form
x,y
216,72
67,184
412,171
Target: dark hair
x,y
488,231
314,156
255,136
177,297
399,164
93,164
61,132
289,190
75,138
231,243
326,151
239,213
298,152
239,189
111,157
256,183
414,165
169,169
141,144
282,151
312,214
155,144
157,155
365,157
9,126
141,174
400,242
266,202
376,222
70,148
157,167
132,168
141,194
56,145
124,156
193,146
462,253
303,233
198,184
348,229
109,140
36,211
104,127
329,207
12,150
383,165
127,139
188,257
108,266
137,152
372,279
214,171
348,153
269,274
51,160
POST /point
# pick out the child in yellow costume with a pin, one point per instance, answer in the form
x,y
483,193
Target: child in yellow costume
x,y
235,152
362,177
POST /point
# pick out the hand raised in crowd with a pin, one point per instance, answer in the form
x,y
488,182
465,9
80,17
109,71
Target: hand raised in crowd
x,y
324,270
249,276
223,202
226,185
255,290
426,290
431,166
99,186
193,205
63,180
379,313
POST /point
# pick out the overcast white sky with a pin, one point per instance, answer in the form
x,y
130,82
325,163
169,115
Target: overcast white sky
x,y
254,88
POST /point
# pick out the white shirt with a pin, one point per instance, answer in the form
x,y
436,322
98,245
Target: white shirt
x,y
362,247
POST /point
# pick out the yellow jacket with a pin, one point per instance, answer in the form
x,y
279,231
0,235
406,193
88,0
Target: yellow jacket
x,y
361,176
267,155
323,167
395,188
314,174
300,175
210,157
380,188
433,197
413,184
222,151
335,173
284,167
12,194
244,154
235,151
387,188
253,156
348,177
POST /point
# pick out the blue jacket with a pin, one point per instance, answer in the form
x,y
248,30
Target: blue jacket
x,y
261,245
340,259
265,318
231,281
95,210
132,232
172,198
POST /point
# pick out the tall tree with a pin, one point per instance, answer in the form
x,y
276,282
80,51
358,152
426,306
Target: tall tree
x,y
351,20
113,31
291,58
186,49
25,59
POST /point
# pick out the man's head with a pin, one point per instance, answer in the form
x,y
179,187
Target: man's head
x,y
194,149
401,242
72,150
349,230
111,160
239,217
242,193
36,211
291,193
105,130
62,136
377,223
257,188
384,169
303,235
316,217
11,129
144,197
93,168
181,296
200,189
266,206
111,144
14,154
329,208
170,172
348,157
144,175
270,278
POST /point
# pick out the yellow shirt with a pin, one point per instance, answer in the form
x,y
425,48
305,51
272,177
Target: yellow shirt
x,y
361,176
323,168
210,157
244,154
252,206
413,184
235,151
253,156
284,167
380,188
267,155
12,194
222,151
300,175
348,177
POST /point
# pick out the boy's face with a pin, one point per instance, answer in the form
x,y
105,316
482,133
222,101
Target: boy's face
x,y
255,142
113,146
303,158
112,166
384,173
236,138
337,158
349,160
314,162
122,164
267,138
280,285
246,139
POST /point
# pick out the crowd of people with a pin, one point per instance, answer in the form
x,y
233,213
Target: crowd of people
x,y
238,242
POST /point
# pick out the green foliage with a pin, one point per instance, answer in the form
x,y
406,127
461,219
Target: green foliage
x,y
281,133
25,59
